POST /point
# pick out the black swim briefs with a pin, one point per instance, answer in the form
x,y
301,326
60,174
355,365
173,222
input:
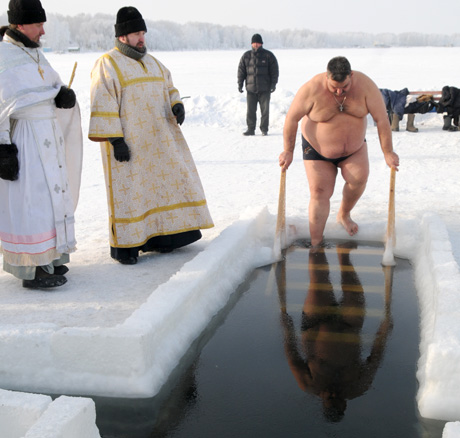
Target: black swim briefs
x,y
309,153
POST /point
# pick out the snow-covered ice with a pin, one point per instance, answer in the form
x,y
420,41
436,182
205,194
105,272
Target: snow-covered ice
x,y
38,416
119,330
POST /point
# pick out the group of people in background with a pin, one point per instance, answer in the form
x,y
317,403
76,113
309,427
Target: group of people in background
x,y
155,198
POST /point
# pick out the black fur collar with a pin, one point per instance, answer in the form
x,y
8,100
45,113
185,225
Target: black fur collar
x,y
20,37
131,52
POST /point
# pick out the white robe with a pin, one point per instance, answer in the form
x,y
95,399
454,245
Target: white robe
x,y
37,210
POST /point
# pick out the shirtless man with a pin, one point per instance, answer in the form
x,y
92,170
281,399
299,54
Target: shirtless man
x,y
334,107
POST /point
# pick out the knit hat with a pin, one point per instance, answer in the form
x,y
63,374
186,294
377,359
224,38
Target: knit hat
x,y
129,20
256,38
26,12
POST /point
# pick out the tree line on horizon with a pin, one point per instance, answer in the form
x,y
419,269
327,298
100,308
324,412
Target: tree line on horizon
x,y
88,32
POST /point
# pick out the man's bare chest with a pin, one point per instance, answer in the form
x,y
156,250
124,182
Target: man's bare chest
x,y
338,108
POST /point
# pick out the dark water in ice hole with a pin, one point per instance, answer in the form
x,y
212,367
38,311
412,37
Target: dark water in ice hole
x,y
324,344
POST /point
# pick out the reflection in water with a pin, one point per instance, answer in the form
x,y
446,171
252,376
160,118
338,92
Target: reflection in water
x,y
333,367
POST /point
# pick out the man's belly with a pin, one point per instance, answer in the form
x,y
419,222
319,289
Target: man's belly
x,y
341,136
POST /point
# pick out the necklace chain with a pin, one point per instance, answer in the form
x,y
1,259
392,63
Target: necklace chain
x,y
40,70
341,105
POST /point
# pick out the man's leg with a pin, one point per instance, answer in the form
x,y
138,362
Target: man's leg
x,y
264,101
321,177
251,117
355,171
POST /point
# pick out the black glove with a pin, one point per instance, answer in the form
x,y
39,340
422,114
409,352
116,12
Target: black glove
x,y
120,149
9,164
240,88
179,111
273,89
65,98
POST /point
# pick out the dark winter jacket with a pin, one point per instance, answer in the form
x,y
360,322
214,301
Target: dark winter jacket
x,y
450,102
395,101
419,107
259,68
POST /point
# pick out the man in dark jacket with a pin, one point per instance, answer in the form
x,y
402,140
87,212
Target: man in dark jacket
x,y
259,68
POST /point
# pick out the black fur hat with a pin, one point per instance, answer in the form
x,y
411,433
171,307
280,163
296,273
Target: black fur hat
x,y
129,20
256,38
26,12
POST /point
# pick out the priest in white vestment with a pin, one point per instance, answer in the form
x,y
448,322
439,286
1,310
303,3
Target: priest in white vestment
x,y
40,154
155,198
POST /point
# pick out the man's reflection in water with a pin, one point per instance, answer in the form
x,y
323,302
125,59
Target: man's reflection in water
x,y
331,335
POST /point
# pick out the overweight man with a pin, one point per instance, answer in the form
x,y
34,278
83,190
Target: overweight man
x,y
333,107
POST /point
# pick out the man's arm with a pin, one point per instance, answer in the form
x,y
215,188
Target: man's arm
x,y
273,71
177,106
241,74
297,110
105,95
377,110
5,131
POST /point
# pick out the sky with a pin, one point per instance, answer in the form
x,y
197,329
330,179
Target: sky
x,y
425,16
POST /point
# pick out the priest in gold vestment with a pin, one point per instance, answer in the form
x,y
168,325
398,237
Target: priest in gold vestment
x,y
155,198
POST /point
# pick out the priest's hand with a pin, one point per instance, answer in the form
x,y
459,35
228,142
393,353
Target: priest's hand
x,y
65,98
9,164
179,111
121,150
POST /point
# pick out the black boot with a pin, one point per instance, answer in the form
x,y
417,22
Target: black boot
x,y
125,256
249,132
43,280
61,270
128,261
448,124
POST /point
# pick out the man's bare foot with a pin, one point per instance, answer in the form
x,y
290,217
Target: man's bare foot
x,y
322,245
351,227
316,243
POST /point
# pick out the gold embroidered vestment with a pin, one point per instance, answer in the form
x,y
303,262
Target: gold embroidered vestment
x,y
158,191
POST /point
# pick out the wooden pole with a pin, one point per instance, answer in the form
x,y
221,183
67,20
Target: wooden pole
x,y
280,235
391,208
388,258
73,75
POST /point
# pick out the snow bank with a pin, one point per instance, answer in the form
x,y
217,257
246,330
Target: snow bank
x,y
451,430
438,282
134,359
37,416
19,411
